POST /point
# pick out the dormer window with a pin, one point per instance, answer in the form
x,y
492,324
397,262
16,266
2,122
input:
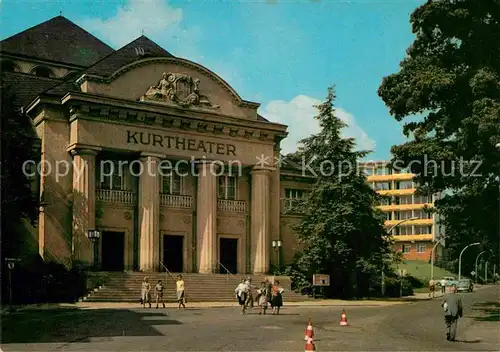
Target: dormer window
x,y
42,71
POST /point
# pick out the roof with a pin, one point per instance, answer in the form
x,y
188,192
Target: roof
x,y
26,87
140,48
58,40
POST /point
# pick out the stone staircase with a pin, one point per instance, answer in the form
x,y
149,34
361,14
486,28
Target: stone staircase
x,y
126,287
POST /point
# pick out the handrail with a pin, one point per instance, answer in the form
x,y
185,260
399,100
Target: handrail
x,y
168,271
227,270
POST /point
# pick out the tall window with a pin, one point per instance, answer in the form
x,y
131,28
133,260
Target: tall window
x,y
404,230
385,201
405,184
421,214
388,215
405,200
423,230
368,170
111,176
423,199
403,215
406,248
382,170
421,248
172,184
227,187
382,186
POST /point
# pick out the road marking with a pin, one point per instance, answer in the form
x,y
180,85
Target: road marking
x,y
272,327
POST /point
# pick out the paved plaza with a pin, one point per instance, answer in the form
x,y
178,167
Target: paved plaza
x,y
405,326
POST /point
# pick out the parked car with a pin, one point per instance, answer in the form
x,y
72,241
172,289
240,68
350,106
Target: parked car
x,y
448,280
465,285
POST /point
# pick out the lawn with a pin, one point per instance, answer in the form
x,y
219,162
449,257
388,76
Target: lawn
x,y
422,270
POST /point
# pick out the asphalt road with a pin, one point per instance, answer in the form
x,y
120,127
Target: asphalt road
x,y
416,326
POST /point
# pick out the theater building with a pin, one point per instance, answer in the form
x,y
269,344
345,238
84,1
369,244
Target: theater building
x,y
157,152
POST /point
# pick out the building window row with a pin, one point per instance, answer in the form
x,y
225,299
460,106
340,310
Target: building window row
x,y
421,248
412,230
405,200
383,170
407,214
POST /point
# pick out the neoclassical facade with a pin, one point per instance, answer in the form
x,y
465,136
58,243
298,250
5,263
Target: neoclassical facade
x,y
159,153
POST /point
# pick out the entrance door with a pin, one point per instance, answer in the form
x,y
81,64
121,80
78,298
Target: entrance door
x,y
173,253
113,251
228,249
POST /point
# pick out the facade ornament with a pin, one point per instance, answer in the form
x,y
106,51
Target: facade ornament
x,y
127,215
178,89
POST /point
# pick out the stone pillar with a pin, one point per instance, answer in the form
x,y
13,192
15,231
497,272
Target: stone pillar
x,y
206,217
149,212
84,190
260,224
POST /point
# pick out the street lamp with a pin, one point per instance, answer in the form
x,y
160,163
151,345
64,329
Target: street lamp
x,y
432,257
277,247
382,285
11,263
460,258
94,235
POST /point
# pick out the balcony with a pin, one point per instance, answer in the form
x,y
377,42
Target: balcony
x,y
115,196
175,201
231,206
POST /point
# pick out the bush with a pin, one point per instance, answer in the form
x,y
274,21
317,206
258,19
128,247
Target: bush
x,y
300,283
416,282
34,281
392,287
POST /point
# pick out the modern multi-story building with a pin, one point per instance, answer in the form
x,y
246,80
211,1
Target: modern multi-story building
x,y
156,152
416,236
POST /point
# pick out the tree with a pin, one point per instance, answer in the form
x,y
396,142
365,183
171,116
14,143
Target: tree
x,y
341,231
450,79
19,202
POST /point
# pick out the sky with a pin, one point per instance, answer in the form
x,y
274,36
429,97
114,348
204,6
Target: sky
x,y
283,54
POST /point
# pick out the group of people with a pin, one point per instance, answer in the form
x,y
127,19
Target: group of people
x,y
432,287
158,289
267,294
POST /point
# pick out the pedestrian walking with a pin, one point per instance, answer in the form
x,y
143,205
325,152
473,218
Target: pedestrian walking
x,y
249,301
263,297
241,294
181,293
159,294
453,310
443,286
145,293
432,287
276,297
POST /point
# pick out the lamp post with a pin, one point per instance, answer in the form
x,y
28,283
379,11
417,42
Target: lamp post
x,y
382,284
432,257
277,247
460,258
477,258
94,235
11,263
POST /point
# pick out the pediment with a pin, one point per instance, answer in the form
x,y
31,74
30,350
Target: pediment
x,y
181,90
172,82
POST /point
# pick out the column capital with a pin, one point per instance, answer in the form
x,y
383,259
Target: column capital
x,y
261,170
83,149
153,155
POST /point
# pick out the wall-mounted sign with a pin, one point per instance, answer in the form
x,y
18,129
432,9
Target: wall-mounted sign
x,y
321,280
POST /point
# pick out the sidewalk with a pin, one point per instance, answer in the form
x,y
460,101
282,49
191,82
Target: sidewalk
x,y
310,303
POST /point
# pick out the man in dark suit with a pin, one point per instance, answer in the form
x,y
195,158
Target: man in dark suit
x,y
453,309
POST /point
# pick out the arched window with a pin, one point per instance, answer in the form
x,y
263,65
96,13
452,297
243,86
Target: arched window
x,y
42,71
72,75
9,66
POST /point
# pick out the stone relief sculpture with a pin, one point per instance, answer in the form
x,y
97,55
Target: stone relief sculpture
x,y
178,89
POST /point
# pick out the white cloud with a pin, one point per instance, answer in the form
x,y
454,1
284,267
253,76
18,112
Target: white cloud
x,y
159,21
299,114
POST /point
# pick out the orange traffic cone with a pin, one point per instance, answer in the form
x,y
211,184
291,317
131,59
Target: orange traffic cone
x,y
343,318
309,330
310,345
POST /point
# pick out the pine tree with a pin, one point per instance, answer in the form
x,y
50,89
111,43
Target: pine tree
x,y
341,232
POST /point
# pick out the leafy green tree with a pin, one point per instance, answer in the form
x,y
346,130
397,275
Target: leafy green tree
x,y
449,78
19,201
341,231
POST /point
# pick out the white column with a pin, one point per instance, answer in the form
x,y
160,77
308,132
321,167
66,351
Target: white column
x,y
149,212
206,216
260,224
84,190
